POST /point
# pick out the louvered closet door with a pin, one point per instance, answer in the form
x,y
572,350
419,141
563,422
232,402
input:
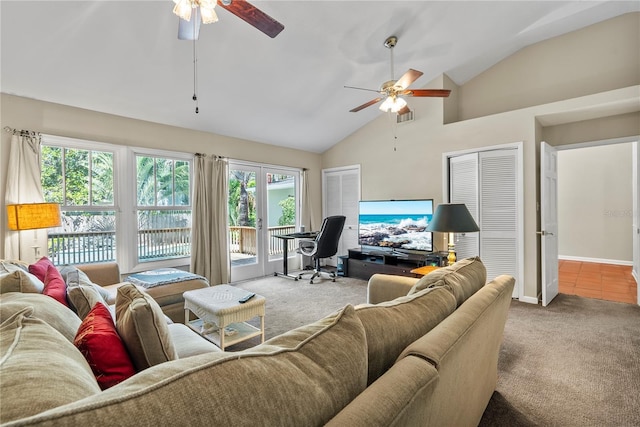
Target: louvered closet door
x,y
498,212
463,188
340,195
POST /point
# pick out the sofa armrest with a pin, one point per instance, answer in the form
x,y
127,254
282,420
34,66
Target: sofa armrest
x,y
387,287
103,273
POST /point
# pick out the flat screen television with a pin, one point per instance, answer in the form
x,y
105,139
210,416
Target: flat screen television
x,y
395,225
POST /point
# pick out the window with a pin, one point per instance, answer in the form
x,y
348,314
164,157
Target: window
x,y
82,182
117,203
163,207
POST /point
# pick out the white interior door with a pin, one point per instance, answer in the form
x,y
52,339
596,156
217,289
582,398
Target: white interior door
x,y
636,215
549,221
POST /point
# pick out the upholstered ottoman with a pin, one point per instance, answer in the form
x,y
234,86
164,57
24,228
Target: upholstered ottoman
x,y
166,289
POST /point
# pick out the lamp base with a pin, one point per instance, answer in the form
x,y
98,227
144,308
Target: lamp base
x,y
451,259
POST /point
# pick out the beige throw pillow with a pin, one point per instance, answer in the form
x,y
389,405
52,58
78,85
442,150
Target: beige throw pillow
x,y
14,278
141,324
463,279
73,275
83,298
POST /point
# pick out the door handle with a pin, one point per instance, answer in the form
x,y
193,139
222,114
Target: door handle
x,y
544,233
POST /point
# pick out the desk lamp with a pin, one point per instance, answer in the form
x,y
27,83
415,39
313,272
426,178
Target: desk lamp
x,y
452,218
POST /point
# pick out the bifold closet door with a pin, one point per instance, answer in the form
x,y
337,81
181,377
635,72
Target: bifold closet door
x,y
340,196
487,182
499,212
463,188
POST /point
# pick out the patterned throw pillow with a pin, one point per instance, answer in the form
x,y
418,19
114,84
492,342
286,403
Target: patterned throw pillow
x,y
99,342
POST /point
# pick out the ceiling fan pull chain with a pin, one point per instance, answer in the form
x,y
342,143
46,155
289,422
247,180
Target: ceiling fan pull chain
x,y
195,73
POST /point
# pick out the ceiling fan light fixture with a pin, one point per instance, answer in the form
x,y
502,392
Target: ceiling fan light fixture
x,y
393,104
184,9
208,13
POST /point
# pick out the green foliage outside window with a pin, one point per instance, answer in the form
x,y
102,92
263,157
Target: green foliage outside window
x,y
288,206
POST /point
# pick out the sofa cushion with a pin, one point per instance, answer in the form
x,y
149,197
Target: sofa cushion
x,y
73,275
463,279
391,326
56,315
15,278
54,285
40,369
100,344
143,328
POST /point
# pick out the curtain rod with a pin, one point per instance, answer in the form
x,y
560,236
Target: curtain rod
x,y
213,155
21,132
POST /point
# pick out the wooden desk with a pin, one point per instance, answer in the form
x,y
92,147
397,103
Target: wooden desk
x,y
423,271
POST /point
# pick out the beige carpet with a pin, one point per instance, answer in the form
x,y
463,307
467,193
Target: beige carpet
x,y
574,363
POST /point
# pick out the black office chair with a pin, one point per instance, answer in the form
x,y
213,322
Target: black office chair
x,y
325,245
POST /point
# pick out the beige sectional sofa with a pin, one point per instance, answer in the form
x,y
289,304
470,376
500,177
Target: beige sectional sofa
x,y
420,353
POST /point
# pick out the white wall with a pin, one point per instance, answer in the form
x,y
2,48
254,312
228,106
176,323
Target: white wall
x,y
595,203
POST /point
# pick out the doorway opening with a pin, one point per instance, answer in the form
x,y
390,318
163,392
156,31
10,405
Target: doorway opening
x,y
596,199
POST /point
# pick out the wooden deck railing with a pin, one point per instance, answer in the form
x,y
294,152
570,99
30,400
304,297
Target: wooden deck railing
x,y
243,239
158,244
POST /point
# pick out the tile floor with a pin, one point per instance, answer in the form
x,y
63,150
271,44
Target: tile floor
x,y
602,281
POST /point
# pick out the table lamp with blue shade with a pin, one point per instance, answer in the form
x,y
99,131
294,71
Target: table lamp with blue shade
x,y
452,218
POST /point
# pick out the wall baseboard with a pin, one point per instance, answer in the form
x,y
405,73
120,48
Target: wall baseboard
x,y
528,300
598,260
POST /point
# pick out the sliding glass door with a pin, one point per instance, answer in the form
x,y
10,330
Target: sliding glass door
x,y
264,201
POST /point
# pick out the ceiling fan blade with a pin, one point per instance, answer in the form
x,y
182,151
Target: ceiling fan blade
x,y
365,105
362,88
404,110
190,30
408,78
443,93
253,16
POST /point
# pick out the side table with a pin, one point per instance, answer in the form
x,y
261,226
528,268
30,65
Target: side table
x,y
423,271
221,318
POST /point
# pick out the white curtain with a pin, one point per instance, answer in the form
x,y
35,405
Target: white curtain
x,y
23,186
209,232
307,208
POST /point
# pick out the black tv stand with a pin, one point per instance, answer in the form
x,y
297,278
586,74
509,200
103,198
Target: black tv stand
x,y
365,263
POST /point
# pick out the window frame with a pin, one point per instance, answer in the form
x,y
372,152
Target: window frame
x,y
125,199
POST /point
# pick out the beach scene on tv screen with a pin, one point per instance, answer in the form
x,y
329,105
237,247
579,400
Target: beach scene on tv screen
x,y
398,224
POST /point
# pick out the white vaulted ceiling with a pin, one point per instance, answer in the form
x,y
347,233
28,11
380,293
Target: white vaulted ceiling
x,y
123,58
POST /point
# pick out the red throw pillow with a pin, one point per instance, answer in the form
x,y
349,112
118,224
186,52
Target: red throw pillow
x,y
54,285
39,269
99,342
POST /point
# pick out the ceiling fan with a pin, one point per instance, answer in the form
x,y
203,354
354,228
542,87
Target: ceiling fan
x,y
393,91
194,12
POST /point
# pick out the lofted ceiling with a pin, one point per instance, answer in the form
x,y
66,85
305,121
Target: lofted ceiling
x,y
124,58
